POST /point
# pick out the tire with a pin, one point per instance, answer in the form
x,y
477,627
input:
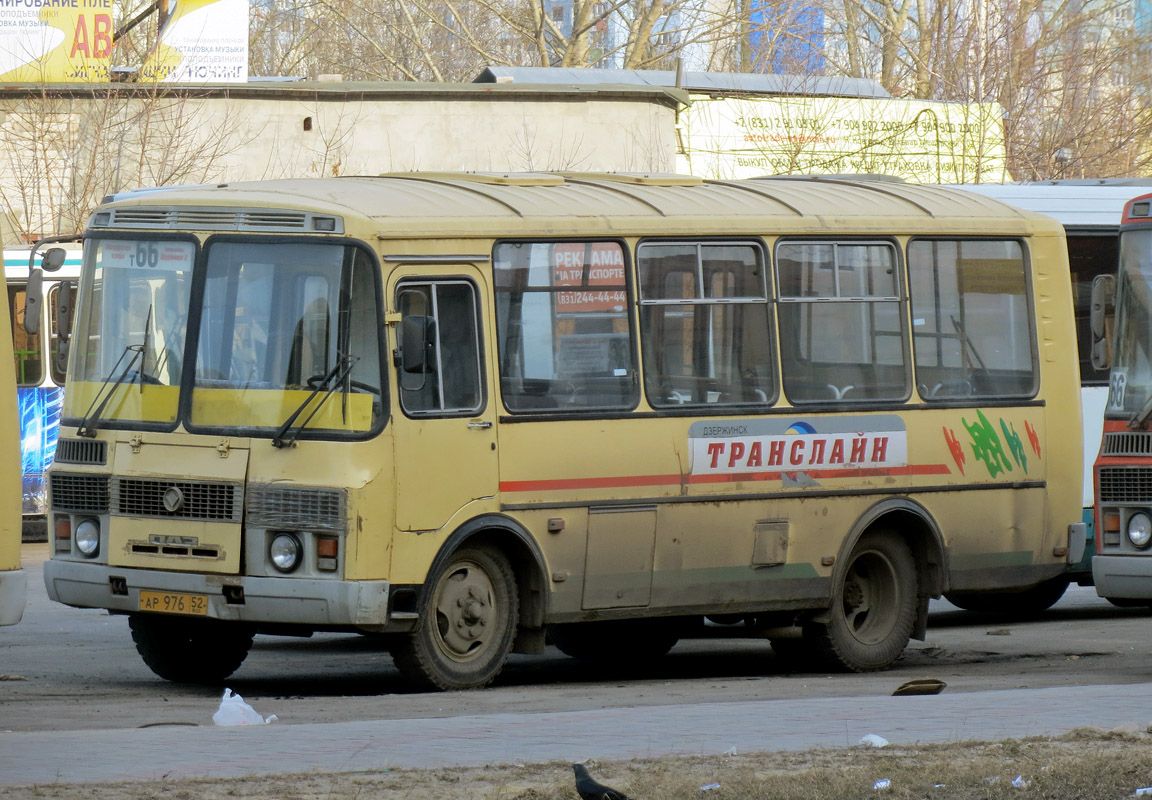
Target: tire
x,y
467,623
618,641
204,651
795,655
1039,598
873,607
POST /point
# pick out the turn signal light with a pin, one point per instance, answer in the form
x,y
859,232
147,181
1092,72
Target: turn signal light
x,y
327,552
63,527
1112,521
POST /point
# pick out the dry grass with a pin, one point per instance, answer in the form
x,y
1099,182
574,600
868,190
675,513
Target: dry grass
x,y
1084,765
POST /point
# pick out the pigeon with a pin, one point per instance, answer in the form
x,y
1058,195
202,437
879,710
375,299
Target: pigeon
x,y
589,789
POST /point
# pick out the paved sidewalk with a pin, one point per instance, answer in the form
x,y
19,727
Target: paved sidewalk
x,y
613,734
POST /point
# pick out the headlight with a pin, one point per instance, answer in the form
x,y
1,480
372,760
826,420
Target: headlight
x,y
87,537
284,551
1139,530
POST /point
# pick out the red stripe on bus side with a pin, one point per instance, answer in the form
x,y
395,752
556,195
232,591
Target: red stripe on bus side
x,y
676,480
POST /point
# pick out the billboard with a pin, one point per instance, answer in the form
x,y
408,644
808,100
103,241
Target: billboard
x,y
202,41
55,41
917,140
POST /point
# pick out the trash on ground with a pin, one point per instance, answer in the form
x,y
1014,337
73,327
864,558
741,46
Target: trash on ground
x,y
999,632
1019,782
872,740
1142,791
993,780
883,783
234,711
709,786
920,686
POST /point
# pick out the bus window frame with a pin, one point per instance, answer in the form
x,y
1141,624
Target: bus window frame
x,y
407,283
1033,329
191,348
902,298
38,337
630,314
768,299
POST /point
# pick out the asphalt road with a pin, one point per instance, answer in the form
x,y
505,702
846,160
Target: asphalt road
x,y
64,669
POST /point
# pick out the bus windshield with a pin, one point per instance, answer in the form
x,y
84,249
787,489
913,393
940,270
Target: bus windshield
x,y
1131,357
282,327
278,328
131,331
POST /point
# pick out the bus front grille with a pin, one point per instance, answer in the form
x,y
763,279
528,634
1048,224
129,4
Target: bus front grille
x,y
275,506
1126,484
81,451
82,493
1127,444
204,500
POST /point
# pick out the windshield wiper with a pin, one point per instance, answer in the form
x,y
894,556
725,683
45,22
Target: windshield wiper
x,y
287,433
91,418
1139,420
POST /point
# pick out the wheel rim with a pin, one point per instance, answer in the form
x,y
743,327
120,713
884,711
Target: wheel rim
x,y
871,598
466,612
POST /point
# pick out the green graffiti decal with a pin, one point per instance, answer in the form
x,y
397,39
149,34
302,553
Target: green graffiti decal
x,y
986,445
1015,444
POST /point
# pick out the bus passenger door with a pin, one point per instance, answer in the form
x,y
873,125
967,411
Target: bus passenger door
x,y
444,432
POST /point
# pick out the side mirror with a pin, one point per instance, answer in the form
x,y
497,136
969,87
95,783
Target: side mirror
x,y
418,344
65,295
1103,299
53,259
33,301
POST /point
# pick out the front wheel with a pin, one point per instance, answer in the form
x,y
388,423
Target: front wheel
x,y
467,623
190,650
873,607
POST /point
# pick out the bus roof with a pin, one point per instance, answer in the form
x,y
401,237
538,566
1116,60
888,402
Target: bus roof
x,y
1077,205
425,202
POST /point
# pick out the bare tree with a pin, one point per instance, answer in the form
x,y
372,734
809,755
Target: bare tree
x,y
68,149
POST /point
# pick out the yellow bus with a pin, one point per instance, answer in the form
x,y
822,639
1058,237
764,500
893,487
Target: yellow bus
x,y
475,413
12,577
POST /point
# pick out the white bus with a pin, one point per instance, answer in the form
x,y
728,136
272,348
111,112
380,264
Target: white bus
x,y
39,374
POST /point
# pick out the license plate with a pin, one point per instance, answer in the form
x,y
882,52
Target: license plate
x,y
174,602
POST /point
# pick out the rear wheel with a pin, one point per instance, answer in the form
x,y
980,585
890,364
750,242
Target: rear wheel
x,y
467,623
191,650
873,607
617,641
1030,601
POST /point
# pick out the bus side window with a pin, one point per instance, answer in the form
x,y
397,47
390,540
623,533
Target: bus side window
x,y
842,332
704,322
972,329
25,346
438,353
562,327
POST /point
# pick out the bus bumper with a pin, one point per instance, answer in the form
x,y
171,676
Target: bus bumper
x,y
13,587
1123,577
289,601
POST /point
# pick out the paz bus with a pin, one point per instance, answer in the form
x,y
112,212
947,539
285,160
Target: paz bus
x,y
471,413
39,374
1122,567
1090,211
12,578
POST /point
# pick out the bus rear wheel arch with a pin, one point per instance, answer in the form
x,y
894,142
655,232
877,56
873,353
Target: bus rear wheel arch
x,y
468,616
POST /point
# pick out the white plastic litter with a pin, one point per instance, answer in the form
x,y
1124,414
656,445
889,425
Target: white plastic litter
x,y
882,784
709,786
1019,782
872,740
234,711
1142,791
